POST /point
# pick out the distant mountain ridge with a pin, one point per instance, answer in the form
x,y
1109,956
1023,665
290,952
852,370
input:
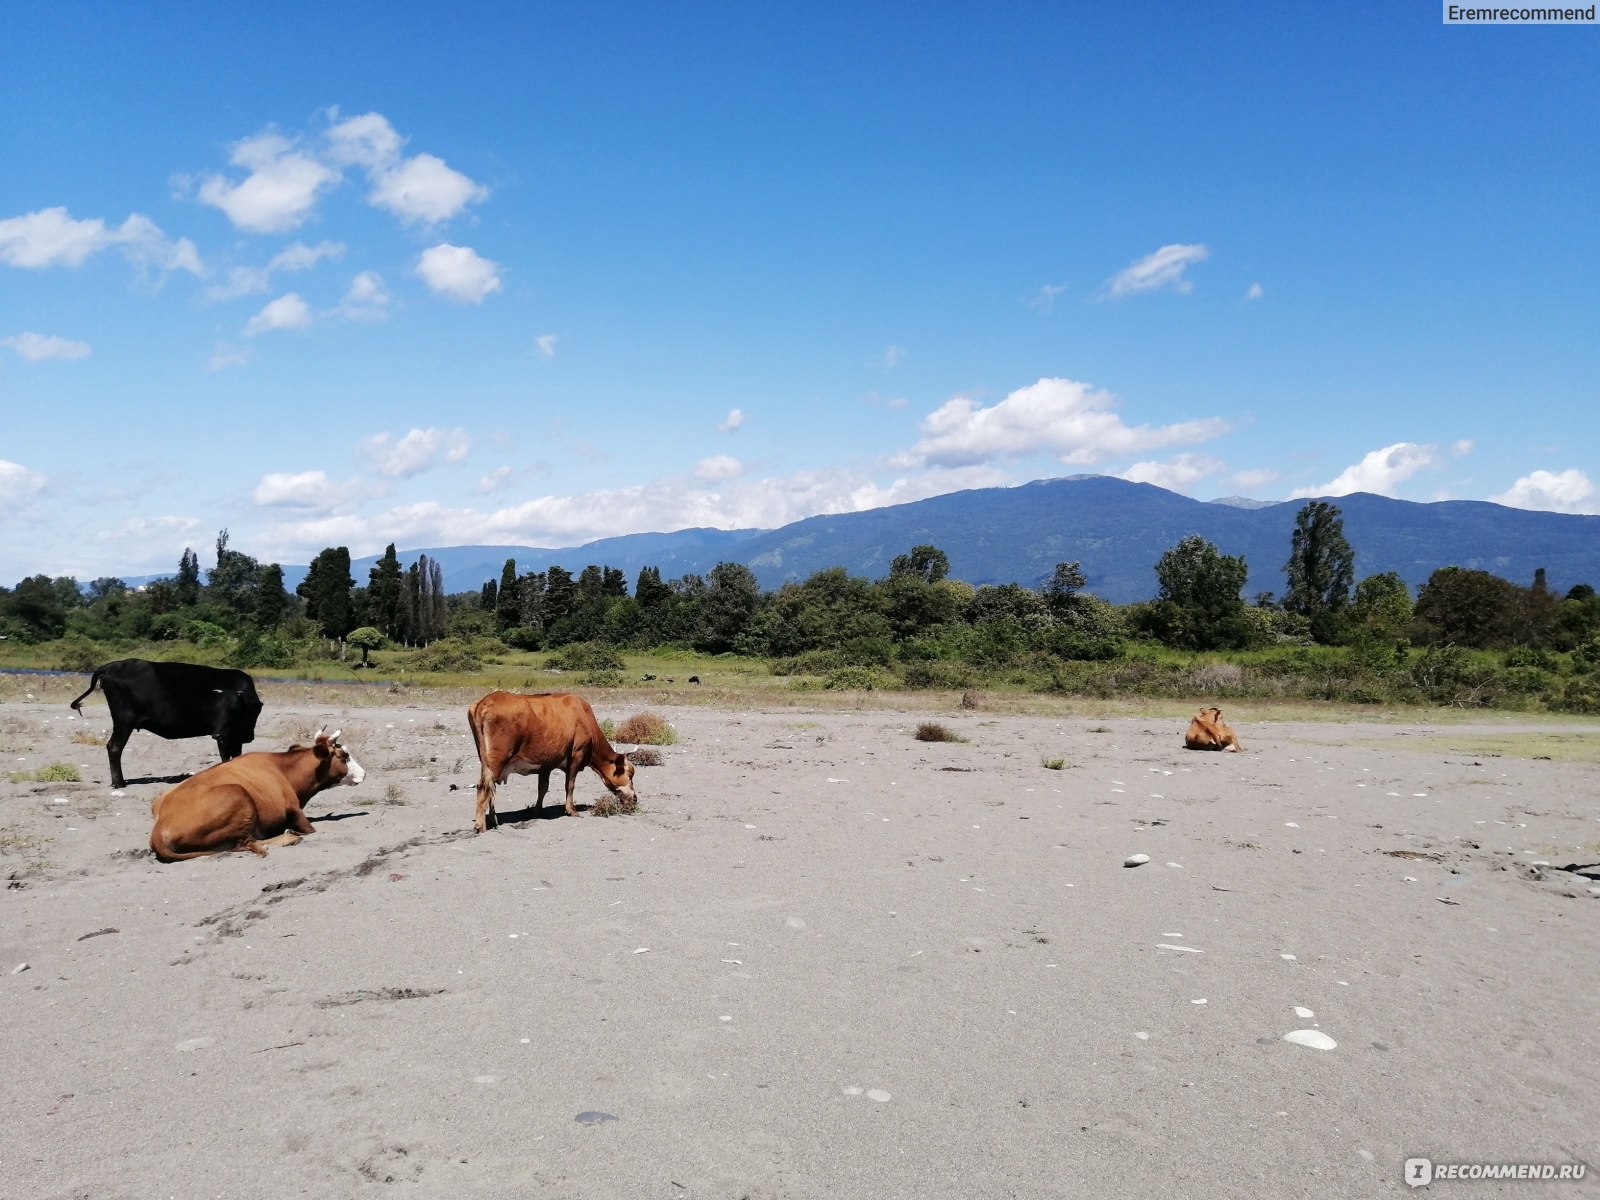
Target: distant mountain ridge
x,y
1116,529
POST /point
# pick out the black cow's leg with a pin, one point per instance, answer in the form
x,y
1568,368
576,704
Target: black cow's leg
x,y
114,745
228,748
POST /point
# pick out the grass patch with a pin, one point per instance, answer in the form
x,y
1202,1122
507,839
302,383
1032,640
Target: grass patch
x,y
646,758
394,794
933,731
610,806
49,773
647,729
1053,764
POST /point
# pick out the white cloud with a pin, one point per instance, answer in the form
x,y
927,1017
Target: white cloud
x,y
1153,272
311,491
1569,491
415,452
286,312
424,189
458,273
1379,472
227,356
1177,473
1461,449
547,345
893,356
675,503
301,257
1044,300
1057,416
717,468
494,480
280,190
366,141
366,299
51,237
240,281
18,483
37,347
732,421
1254,292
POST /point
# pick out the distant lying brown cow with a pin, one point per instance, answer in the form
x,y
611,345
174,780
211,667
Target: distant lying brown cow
x,y
249,801
1208,731
524,735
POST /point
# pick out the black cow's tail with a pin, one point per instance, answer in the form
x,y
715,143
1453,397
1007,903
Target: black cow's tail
x,y
94,682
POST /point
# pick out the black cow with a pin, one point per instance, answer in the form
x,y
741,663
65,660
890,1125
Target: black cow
x,y
175,700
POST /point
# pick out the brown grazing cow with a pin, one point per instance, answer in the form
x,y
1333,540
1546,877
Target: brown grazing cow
x,y
249,801
522,735
1208,731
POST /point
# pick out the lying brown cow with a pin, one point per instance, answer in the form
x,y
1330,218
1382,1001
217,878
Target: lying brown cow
x,y
1208,731
249,801
522,735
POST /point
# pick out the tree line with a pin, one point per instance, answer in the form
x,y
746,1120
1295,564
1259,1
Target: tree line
x,y
915,620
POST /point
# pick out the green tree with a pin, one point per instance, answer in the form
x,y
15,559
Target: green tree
x,y
1061,589
1320,569
188,579
508,604
366,639
1463,607
731,601
560,595
235,582
1382,606
272,600
1198,606
927,563
384,585
326,591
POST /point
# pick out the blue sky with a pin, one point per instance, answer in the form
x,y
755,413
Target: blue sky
x,y
357,274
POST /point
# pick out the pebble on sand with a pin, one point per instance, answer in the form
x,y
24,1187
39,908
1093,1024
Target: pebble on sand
x,y
1136,860
1313,1038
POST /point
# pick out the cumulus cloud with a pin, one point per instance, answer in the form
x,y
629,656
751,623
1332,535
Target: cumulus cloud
x,y
458,273
1154,272
420,189
1569,491
1379,472
547,345
732,421
286,312
18,483
367,299
1254,292
717,468
37,347
1057,416
1178,473
1246,481
311,491
52,237
279,190
415,452
301,257
893,356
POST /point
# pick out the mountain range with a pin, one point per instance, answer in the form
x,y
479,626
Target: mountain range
x,y
1115,529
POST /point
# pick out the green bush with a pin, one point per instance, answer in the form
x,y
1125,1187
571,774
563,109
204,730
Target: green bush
x,y
585,656
451,655
859,679
602,679
78,654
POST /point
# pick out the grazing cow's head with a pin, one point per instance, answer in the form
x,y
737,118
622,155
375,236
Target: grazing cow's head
x,y
618,776
334,764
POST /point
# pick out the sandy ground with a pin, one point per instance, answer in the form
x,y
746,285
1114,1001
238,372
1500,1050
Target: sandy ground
x,y
825,960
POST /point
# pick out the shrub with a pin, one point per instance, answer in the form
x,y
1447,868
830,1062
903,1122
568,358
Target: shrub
x,y
49,773
647,729
523,637
446,655
1053,764
932,731
602,679
585,656
78,654
646,758
859,679
938,676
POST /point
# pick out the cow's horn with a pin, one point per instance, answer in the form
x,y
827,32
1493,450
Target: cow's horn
x,y
334,736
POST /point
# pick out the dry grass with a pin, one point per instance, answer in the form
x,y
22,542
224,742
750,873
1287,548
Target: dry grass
x,y
646,758
933,731
647,729
610,806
